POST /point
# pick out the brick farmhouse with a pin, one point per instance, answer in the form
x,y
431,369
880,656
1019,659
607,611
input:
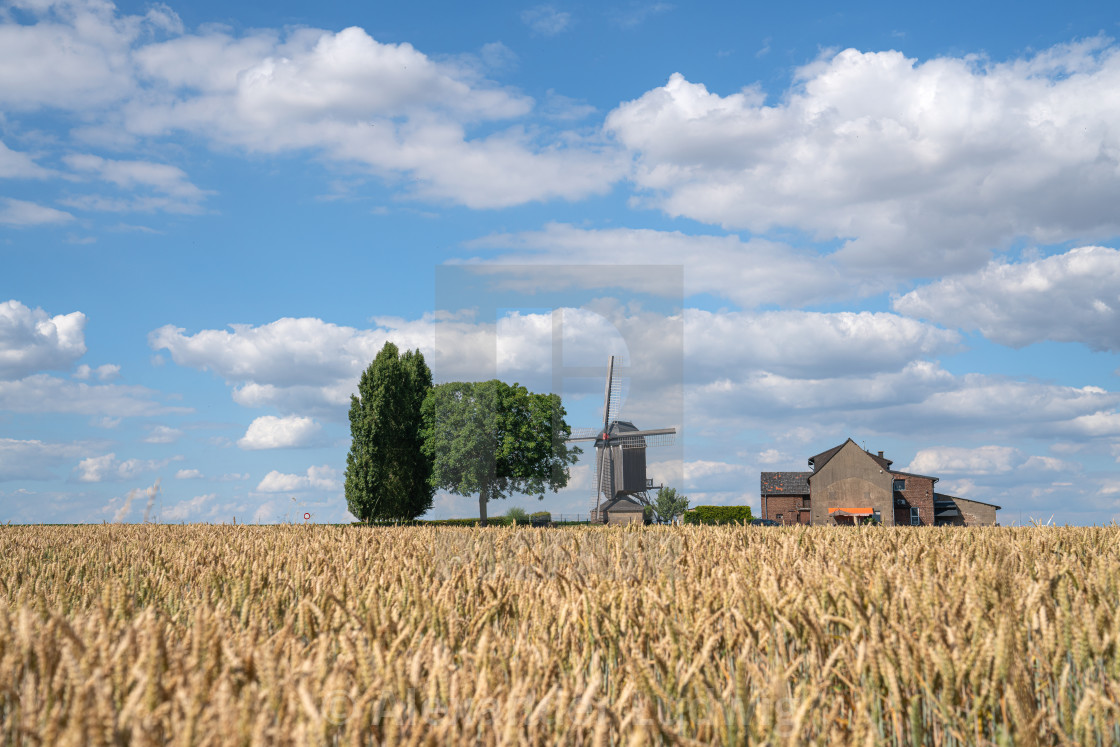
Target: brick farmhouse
x,y
848,485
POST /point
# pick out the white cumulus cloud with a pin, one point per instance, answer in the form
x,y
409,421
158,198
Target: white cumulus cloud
x,y
74,56
808,344
293,364
1069,297
162,434
389,109
918,166
271,432
190,507
889,402
308,365
989,471
756,272
32,340
107,468
316,478
107,372
979,460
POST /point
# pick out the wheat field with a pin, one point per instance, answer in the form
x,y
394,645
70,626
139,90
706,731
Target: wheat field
x,y
303,635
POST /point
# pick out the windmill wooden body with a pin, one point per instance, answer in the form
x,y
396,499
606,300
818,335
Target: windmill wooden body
x,y
620,451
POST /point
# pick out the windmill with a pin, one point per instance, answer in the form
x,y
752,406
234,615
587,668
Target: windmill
x,y
620,450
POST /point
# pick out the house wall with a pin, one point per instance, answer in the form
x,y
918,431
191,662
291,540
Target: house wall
x,y
954,521
624,517
918,492
851,479
976,514
786,505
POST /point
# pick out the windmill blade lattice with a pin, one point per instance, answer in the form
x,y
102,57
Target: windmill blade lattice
x,y
643,439
620,458
614,400
603,473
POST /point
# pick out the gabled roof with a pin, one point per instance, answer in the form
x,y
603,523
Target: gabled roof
x,y
785,483
881,461
820,460
622,503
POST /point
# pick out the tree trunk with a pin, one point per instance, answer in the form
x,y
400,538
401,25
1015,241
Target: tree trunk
x,y
483,498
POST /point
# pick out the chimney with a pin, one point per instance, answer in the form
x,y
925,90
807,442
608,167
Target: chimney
x,y
880,455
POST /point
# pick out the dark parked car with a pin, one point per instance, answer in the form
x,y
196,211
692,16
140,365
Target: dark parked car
x,y
764,523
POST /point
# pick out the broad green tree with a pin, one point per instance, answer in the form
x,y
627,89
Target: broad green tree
x,y
495,439
668,505
388,475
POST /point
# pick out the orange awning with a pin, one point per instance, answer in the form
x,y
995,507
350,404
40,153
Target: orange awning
x,y
851,511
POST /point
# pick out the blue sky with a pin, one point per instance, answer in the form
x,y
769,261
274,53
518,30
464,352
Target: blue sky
x,y
896,223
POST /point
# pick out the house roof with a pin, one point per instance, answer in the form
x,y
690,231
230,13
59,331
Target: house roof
x,y
820,460
624,504
942,497
785,483
913,474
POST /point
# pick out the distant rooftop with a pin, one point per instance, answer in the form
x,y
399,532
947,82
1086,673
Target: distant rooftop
x,y
820,460
792,483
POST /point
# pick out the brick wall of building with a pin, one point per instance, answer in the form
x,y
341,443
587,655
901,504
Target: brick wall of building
x,y
786,505
919,493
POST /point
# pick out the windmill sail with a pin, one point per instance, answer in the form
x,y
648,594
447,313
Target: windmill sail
x,y
620,458
642,439
607,395
614,400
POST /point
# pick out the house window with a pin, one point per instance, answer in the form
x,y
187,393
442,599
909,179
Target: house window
x,y
914,519
900,485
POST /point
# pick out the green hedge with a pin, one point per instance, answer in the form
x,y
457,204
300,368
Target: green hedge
x,y
492,521
718,515
386,523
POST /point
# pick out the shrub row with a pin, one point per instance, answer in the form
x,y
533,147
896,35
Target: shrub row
x,y
493,521
718,515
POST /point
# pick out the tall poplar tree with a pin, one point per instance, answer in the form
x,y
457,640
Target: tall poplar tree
x,y
387,472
